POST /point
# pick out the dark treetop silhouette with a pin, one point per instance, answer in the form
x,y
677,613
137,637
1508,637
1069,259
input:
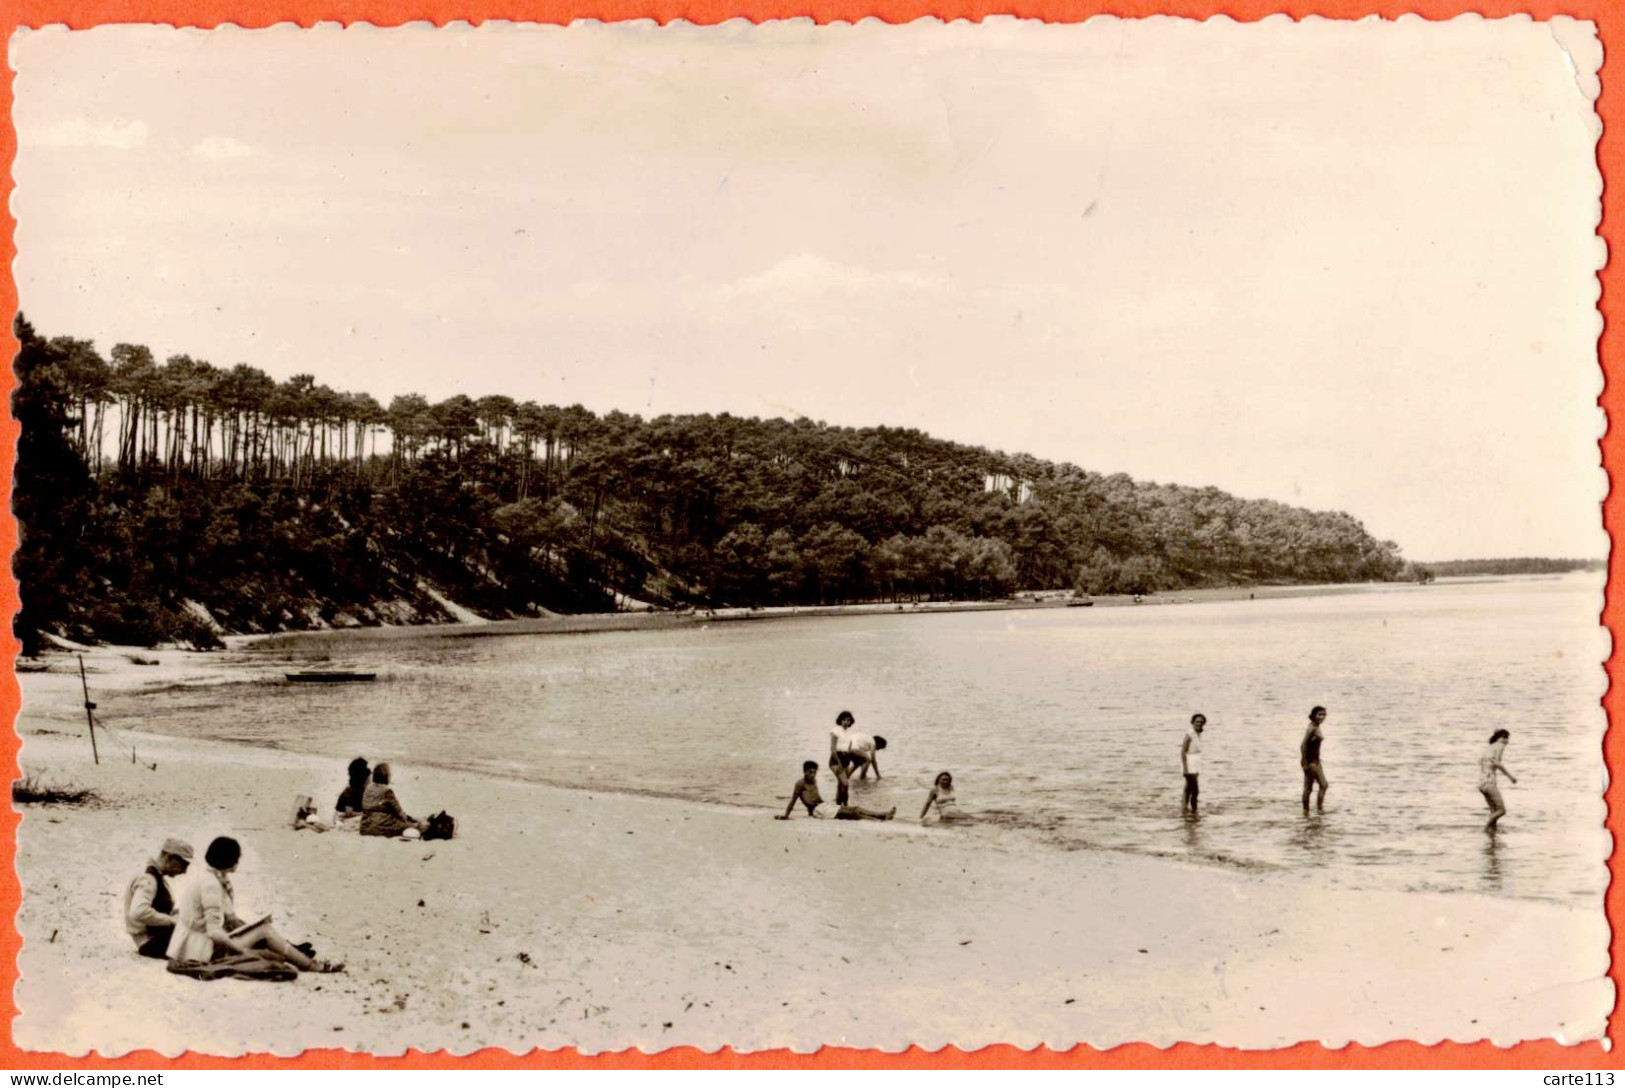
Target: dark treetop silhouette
x,y
148,490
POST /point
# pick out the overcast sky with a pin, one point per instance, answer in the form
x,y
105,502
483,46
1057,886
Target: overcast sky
x,y
1342,265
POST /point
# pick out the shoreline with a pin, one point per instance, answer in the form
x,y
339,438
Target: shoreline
x,y
607,920
66,717
599,622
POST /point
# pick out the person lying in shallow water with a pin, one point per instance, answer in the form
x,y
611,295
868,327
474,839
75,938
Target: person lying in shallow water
x,y
806,791
942,795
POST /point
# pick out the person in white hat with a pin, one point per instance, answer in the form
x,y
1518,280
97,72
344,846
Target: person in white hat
x,y
149,904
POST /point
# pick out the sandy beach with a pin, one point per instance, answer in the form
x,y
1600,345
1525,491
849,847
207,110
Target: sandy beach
x,y
601,921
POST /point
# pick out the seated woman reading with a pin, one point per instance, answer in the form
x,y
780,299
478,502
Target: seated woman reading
x,y
381,814
207,928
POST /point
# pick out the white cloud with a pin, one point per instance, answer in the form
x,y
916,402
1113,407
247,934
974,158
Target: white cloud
x,y
79,132
809,274
216,148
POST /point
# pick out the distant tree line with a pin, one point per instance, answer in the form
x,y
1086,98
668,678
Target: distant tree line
x,y
1456,568
157,499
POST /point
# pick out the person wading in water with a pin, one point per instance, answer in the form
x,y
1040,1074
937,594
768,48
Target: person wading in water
x,y
1309,758
1488,764
1190,761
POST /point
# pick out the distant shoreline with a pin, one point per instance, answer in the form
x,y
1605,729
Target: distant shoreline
x,y
592,623
113,667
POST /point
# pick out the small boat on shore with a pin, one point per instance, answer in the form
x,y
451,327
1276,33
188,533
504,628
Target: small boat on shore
x,y
328,676
1080,604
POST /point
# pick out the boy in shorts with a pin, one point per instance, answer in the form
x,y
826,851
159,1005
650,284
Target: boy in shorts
x,y
806,791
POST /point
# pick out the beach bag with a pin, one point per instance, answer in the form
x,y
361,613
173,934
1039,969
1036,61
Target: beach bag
x,y
249,965
441,826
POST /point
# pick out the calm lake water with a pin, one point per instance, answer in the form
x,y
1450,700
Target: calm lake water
x,y
1062,727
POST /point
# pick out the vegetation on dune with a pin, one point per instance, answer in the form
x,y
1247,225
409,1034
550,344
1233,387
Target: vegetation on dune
x,y
160,500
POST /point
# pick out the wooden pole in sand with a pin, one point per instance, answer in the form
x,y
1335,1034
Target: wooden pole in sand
x,y
89,706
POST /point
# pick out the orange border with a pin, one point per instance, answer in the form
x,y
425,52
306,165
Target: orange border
x,y
80,14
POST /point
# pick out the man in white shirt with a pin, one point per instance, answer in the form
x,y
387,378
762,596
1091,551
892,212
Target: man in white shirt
x,y
1190,760
865,753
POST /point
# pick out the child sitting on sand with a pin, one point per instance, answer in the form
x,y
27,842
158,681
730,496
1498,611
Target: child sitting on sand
x,y
806,791
304,815
942,793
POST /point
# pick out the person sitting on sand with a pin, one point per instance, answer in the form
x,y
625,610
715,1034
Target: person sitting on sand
x,y
381,814
350,799
840,753
304,815
207,918
1488,764
1190,761
1309,760
942,795
806,791
149,903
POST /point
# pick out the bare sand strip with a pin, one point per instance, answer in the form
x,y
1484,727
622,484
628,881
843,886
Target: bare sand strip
x,y
566,918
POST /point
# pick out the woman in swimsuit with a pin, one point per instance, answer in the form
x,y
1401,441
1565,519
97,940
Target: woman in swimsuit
x,y
1488,764
942,794
1309,759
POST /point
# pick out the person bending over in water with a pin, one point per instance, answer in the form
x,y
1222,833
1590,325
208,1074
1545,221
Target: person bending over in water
x,y
1190,761
866,753
1488,764
942,795
806,791
1309,759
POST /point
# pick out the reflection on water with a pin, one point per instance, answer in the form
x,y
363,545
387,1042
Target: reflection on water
x,y
1193,833
1310,838
1492,863
1062,727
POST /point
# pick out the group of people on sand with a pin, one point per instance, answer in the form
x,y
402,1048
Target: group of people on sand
x,y
187,915
1314,775
194,924
853,755
367,804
